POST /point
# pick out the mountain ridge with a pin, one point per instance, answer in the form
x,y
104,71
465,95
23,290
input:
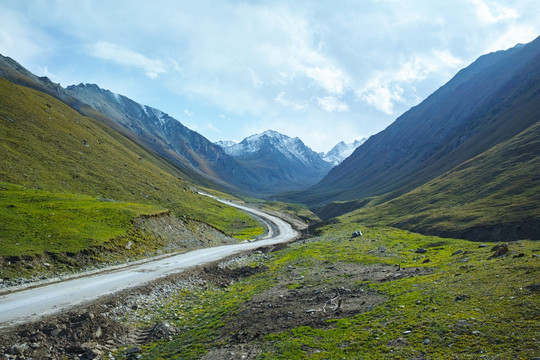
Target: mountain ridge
x,y
460,120
272,153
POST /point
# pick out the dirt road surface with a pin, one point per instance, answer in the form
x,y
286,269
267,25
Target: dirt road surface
x,y
31,304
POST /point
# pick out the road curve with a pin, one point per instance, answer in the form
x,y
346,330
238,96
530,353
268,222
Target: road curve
x,y
31,304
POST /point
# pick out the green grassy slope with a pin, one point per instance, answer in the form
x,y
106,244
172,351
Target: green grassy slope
x,y
48,146
448,303
33,222
494,196
14,72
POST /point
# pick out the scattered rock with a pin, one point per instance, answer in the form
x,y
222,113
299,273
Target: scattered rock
x,y
357,233
457,252
533,287
499,250
129,245
381,249
426,342
399,342
133,353
87,316
18,349
421,251
163,330
426,261
519,255
482,246
461,297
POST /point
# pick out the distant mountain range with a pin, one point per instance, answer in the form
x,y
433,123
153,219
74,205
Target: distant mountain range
x,y
493,103
462,163
334,157
280,160
280,163
168,137
341,151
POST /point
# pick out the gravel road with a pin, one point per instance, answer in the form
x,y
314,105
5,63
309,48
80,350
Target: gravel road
x,y
31,304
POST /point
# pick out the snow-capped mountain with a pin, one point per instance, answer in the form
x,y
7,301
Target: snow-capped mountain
x,y
291,148
225,144
285,162
342,151
169,138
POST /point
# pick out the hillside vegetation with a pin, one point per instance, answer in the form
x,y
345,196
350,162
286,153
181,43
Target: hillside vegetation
x,y
493,196
489,102
333,297
45,145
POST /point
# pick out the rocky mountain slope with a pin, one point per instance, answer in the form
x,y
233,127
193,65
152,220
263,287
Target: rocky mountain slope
x,y
200,160
489,102
72,187
168,137
464,163
284,162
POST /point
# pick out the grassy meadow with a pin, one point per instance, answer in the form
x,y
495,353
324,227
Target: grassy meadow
x,y
448,302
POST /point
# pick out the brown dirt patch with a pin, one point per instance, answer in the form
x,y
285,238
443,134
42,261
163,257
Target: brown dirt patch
x,y
332,292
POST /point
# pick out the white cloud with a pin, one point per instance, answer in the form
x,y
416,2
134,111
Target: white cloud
x,y
386,88
212,128
188,113
333,80
259,61
280,99
331,104
115,53
514,35
383,97
493,12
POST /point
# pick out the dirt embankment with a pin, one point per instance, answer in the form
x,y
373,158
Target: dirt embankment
x,y
149,236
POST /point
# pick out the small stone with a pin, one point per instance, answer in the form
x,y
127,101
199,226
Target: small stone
x,y
129,245
98,332
407,332
88,315
426,261
461,297
421,251
457,252
500,250
426,342
476,332
482,246
18,349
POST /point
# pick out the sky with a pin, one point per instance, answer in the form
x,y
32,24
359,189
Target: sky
x,y
324,70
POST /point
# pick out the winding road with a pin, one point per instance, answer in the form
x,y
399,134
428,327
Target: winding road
x,y
31,304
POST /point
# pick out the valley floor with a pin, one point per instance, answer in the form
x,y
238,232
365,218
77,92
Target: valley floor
x,y
390,294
